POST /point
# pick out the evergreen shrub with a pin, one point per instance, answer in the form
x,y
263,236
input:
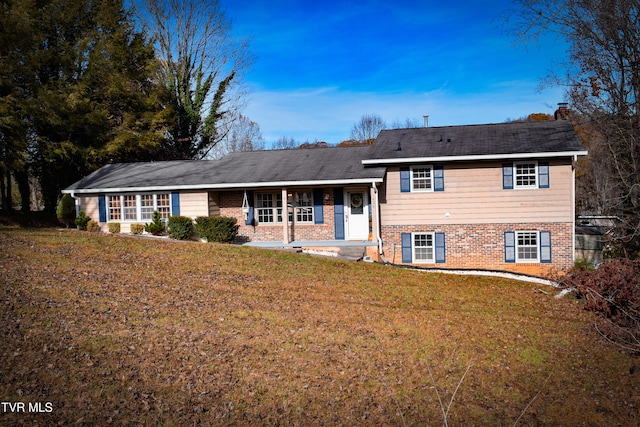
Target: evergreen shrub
x,y
66,210
180,227
156,227
137,228
114,227
82,220
220,229
93,226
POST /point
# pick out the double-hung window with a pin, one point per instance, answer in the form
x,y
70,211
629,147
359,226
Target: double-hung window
x,y
421,178
265,207
279,207
269,208
527,246
114,208
163,205
304,206
423,245
130,208
526,175
146,207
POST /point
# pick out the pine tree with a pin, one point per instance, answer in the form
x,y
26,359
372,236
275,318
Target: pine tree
x,y
87,84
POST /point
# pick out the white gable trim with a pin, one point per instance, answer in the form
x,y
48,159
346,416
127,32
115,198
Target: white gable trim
x,y
228,186
513,156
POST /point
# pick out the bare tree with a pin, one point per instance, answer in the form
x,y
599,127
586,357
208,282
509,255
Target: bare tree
x,y
367,129
202,63
243,135
285,143
408,123
602,78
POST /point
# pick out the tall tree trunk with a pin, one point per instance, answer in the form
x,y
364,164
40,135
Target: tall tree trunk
x,y
7,203
50,188
22,178
3,205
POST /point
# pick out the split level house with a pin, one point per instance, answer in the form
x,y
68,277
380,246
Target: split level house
x,y
495,196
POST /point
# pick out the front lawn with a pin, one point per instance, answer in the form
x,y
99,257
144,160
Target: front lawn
x,y
110,329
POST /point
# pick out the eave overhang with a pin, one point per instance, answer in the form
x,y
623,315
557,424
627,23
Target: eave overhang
x,y
225,186
482,157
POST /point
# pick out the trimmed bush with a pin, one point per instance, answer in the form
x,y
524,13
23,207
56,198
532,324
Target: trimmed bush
x,y
114,227
219,229
66,210
137,228
156,227
180,227
93,226
82,220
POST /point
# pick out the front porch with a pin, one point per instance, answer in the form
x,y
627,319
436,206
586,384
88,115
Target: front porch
x,y
308,217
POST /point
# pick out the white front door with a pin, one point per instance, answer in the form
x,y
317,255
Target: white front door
x,y
356,215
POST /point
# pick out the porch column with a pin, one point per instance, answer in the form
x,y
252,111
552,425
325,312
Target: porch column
x,y
285,218
375,213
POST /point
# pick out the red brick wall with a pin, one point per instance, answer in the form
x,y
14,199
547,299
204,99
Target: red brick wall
x,y
231,205
482,246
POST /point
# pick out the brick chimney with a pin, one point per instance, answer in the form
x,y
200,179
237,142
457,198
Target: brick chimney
x,y
563,112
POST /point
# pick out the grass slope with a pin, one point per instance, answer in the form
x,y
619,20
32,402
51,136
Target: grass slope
x,y
130,331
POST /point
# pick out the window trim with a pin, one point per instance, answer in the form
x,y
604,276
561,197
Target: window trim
x,y
297,209
518,246
276,209
517,186
111,208
121,207
412,188
415,260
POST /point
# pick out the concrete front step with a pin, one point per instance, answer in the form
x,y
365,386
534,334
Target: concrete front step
x,y
352,251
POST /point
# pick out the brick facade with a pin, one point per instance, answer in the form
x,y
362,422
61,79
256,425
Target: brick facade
x,y
482,246
467,245
231,205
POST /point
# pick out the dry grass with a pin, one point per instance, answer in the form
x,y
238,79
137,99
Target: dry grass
x,y
131,331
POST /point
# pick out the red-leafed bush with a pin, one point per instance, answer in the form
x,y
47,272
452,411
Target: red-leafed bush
x,y
613,290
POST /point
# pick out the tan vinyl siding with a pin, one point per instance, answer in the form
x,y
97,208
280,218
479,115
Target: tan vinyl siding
x,y
89,205
474,194
194,204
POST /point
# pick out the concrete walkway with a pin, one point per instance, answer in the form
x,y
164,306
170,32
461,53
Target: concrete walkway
x,y
312,243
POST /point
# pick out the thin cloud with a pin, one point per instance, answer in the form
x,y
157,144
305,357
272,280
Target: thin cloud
x,y
328,113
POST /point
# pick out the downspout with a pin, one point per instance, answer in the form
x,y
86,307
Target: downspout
x,y
573,206
76,202
377,217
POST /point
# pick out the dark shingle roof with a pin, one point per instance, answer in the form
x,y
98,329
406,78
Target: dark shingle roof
x,y
477,140
254,167
340,164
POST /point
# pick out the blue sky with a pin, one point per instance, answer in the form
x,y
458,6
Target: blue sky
x,y
321,65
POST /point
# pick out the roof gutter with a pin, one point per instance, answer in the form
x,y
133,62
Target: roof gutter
x,y
228,186
474,157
